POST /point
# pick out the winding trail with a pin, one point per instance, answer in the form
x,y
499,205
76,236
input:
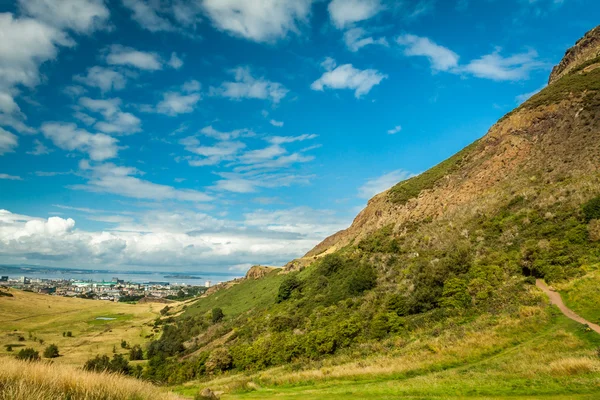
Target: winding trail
x,y
557,300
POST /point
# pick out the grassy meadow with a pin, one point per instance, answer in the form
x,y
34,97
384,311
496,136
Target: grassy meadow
x,y
26,318
538,354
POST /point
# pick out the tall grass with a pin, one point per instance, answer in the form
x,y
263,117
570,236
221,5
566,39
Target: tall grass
x,y
20,380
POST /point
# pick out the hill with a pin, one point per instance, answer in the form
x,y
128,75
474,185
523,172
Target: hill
x,y
431,293
435,279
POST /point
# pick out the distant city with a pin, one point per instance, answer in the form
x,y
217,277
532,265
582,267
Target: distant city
x,y
99,285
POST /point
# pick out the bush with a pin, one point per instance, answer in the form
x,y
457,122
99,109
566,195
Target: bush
x,y
28,354
124,344
136,353
118,364
219,360
217,315
51,351
591,209
289,284
362,279
455,294
165,310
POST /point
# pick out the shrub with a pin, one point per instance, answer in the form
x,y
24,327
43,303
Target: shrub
x,y
124,344
455,294
28,354
165,310
362,279
591,209
51,351
287,287
118,364
219,360
217,315
136,353
69,334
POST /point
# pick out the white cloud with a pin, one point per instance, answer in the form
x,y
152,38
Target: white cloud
x,y
147,15
106,79
122,181
10,177
290,139
258,20
357,38
26,44
164,239
215,134
177,102
246,86
211,155
121,55
116,122
347,12
394,130
276,123
382,183
441,58
251,181
8,142
8,104
174,103
513,68
68,137
347,77
39,149
191,86
175,62
83,16
491,66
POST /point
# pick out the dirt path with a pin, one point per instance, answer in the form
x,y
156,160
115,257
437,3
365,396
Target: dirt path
x,y
557,300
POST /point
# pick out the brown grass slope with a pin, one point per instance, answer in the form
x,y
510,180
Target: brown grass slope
x,y
550,144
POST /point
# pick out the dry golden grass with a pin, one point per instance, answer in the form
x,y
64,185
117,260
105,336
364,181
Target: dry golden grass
x,y
46,317
574,366
20,380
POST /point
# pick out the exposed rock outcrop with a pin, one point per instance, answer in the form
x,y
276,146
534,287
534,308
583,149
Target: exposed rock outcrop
x,y
586,48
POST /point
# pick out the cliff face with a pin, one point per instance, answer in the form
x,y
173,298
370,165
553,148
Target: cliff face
x,y
554,139
586,48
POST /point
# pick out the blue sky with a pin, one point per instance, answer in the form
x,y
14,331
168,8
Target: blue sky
x,y
216,134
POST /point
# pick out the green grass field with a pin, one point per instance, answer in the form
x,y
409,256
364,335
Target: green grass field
x,y
33,317
240,298
582,295
538,355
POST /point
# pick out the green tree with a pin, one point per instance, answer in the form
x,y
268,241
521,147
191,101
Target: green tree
x,y
136,353
289,284
124,344
51,351
217,315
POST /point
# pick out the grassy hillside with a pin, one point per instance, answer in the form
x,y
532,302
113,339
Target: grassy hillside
x,y
21,380
34,317
434,284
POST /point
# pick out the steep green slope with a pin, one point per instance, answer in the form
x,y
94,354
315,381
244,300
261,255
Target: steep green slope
x,y
433,282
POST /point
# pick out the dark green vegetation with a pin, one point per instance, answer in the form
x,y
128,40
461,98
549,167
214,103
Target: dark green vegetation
x,y
51,351
28,354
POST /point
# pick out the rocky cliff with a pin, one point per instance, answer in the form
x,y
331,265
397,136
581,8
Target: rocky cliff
x,y
553,138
